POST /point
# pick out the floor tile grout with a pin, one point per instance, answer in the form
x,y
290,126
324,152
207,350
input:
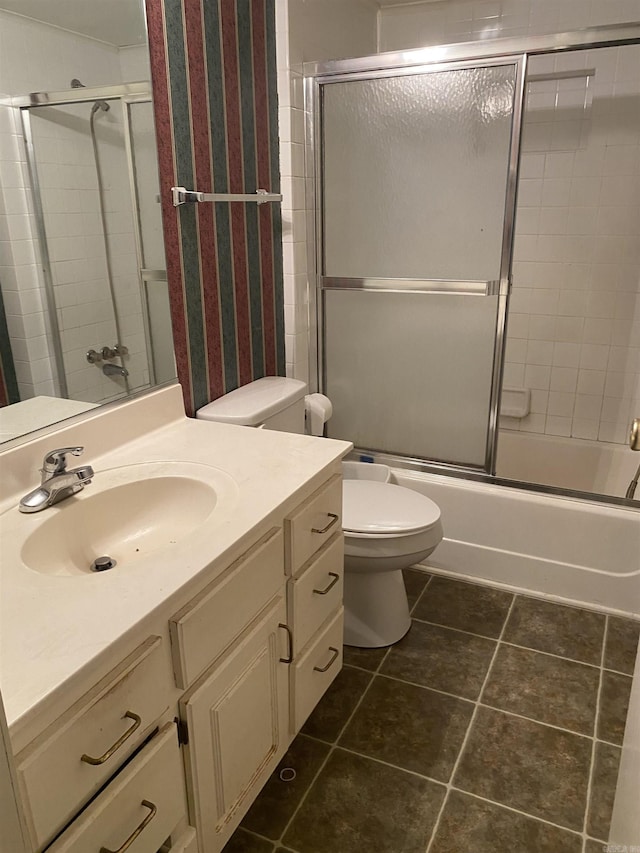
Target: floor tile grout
x,y
332,749
514,645
448,785
516,811
477,703
389,764
596,721
427,687
465,740
535,720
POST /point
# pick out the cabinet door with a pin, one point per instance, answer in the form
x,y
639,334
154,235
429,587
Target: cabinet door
x,y
236,716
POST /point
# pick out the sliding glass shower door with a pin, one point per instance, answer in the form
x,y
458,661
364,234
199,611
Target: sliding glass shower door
x,y
416,193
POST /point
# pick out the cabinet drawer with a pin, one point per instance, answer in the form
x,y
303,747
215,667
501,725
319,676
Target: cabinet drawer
x,y
58,773
148,796
208,623
313,523
315,670
317,592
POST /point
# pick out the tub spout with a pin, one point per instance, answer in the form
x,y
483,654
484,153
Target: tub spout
x,y
110,369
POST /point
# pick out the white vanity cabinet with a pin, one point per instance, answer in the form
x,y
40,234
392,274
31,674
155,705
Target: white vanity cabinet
x,y
236,716
315,564
61,769
227,648
167,751
283,600
141,806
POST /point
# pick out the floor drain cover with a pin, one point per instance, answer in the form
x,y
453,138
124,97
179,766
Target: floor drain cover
x,y
287,774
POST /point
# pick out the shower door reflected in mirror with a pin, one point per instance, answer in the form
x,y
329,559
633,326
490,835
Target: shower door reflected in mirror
x,y
94,178
417,192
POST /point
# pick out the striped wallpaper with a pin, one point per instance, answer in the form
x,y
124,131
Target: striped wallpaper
x,y
8,382
214,80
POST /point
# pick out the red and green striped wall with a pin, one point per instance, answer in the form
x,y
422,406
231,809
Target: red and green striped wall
x,y
214,80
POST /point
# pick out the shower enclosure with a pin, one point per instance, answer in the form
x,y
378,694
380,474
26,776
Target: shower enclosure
x,y
418,160
93,173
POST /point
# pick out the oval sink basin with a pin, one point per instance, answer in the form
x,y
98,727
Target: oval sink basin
x,y
128,514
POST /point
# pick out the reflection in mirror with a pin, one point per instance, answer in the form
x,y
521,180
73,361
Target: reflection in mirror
x,y
82,267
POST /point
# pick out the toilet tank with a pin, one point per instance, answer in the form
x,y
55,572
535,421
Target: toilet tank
x,y
273,402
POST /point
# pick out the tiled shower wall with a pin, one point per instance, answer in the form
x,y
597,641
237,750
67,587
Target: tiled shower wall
x,y
70,197
574,320
573,332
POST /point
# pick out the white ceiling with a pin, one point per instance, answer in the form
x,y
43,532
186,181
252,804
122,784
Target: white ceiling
x,y
118,22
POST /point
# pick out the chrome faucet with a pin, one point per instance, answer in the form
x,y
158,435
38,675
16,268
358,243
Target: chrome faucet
x,y
58,482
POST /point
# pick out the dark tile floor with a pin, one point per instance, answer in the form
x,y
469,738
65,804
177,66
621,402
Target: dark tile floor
x,y
494,725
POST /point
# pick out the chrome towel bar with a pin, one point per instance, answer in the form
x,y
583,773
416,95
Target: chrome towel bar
x,y
182,196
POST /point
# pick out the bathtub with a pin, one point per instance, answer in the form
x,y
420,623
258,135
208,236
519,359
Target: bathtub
x,y
572,551
568,463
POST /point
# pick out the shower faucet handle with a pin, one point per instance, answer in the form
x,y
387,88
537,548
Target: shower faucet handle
x,y
112,352
634,434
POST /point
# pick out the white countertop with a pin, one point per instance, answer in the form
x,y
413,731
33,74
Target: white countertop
x,y
51,626
29,415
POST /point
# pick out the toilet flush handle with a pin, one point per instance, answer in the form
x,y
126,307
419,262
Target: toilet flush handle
x,y
333,518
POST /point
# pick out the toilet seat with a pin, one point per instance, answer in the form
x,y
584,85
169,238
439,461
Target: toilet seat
x,y
373,509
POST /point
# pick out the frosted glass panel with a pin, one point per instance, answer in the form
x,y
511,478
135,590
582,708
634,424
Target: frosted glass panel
x,y
415,173
410,373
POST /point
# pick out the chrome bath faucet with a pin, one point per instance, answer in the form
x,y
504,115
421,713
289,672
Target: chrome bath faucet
x,y
58,482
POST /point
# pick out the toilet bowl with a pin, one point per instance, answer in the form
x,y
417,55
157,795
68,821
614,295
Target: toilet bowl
x,y
386,527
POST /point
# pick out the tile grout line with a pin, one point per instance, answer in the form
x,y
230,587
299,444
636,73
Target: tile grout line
x,y
486,705
592,762
421,596
453,787
454,769
477,704
332,749
528,815
517,645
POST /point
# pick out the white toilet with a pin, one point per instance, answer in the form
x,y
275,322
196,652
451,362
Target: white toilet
x,y
386,527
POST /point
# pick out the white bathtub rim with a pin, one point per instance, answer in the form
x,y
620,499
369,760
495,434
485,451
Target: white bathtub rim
x,y
592,577
517,491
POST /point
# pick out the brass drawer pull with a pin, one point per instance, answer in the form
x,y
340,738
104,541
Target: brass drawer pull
x,y
334,580
334,658
116,746
289,658
332,520
136,832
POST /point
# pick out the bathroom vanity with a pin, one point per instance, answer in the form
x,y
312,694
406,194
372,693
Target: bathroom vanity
x,y
150,702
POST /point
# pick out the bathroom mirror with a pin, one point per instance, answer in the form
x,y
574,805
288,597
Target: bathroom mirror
x,y
82,264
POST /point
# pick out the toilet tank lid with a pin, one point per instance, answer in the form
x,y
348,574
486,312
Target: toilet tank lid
x,y
378,508
252,404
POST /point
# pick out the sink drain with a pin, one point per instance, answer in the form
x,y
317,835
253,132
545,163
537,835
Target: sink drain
x,y
101,564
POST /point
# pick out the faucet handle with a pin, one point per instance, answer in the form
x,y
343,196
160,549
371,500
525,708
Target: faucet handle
x,y
55,462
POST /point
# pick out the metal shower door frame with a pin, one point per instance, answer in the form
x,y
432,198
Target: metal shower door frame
x,y
341,72
128,94
608,35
